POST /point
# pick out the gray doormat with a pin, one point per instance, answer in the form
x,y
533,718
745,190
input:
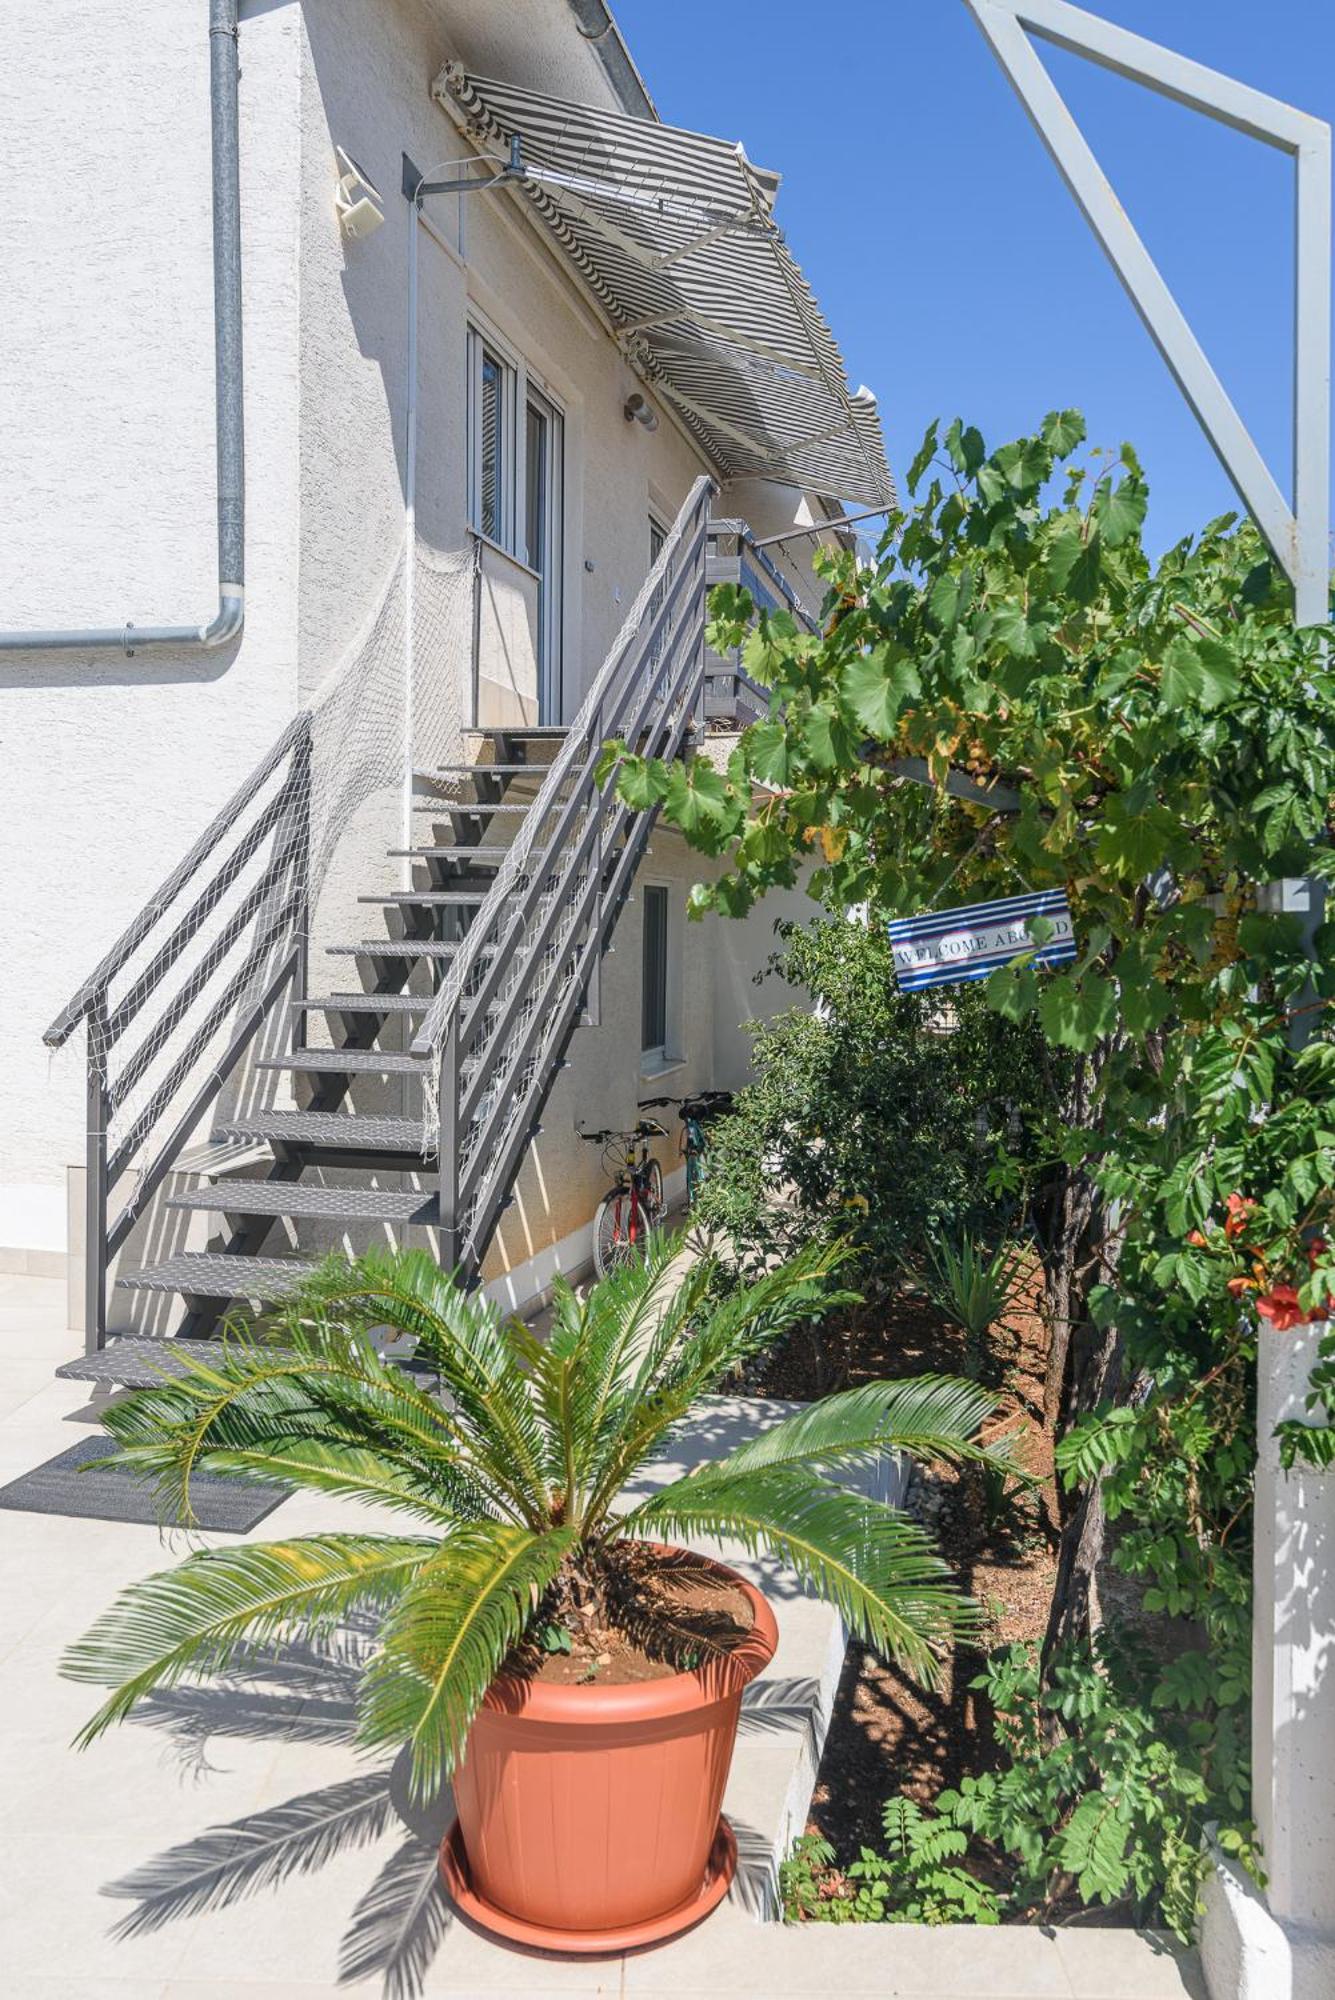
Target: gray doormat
x,y
59,1487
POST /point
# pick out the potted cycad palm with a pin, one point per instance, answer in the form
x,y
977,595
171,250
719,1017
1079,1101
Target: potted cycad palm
x,y
541,1642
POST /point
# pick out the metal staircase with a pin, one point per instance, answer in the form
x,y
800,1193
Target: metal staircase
x,y
511,908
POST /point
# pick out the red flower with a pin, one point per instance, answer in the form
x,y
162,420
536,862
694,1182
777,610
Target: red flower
x,y
1198,1241
1316,1250
1240,1285
1239,1208
1282,1309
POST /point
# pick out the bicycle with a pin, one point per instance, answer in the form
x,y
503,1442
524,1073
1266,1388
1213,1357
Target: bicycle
x,y
696,1114
634,1205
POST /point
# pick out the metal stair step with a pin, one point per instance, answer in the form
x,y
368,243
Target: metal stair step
x,y
216,1275
347,1062
303,1198
520,732
130,1363
395,948
365,1003
435,899
432,771
471,857
470,808
330,1131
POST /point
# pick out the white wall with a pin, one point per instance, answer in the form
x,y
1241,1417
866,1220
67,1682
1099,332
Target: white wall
x,y
738,951
112,765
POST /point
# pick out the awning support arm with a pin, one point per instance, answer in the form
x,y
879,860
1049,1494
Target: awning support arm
x,y
416,187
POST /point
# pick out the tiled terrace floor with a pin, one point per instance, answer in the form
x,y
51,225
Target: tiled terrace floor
x,y
232,1846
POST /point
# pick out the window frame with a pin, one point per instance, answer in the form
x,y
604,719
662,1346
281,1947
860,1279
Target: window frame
x,y
481,346
655,1057
551,566
521,388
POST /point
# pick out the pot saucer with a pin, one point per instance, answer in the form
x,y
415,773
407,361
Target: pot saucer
x,y
719,1871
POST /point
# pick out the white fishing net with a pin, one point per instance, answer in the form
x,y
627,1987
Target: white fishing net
x,y
278,875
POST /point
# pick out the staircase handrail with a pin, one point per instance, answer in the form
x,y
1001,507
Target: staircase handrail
x,y
99,979
495,1034
584,736
239,941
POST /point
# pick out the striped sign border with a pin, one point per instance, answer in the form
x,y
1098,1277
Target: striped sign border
x,y
985,918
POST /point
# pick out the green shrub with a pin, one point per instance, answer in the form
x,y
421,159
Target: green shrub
x,y
882,1117
1100,1797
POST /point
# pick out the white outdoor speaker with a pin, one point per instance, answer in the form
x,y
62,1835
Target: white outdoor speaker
x,y
356,200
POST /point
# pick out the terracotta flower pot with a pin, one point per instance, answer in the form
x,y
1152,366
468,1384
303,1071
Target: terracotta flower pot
x,y
588,1815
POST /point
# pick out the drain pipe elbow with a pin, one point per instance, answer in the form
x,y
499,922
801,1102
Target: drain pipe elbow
x,y
227,621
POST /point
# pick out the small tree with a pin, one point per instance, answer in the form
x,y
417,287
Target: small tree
x,y
880,1117
1158,741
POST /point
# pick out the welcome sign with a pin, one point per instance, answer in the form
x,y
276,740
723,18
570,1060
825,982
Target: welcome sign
x,y
947,947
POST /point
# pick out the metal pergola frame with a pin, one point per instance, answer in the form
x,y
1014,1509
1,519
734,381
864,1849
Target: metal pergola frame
x,y
1298,533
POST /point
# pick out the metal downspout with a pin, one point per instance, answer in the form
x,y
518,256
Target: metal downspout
x,y
595,23
227,621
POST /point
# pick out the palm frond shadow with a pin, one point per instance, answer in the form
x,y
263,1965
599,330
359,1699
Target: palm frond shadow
x,y
397,1927
259,1851
774,1707
303,1693
756,1884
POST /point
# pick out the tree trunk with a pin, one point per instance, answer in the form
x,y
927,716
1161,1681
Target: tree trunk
x,y
1084,1363
1073,1613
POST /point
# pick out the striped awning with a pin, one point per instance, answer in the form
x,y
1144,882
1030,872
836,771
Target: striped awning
x,y
674,235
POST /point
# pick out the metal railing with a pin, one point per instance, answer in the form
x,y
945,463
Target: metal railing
x,y
733,697
156,1057
499,1024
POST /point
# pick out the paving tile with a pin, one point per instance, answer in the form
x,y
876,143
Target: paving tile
x,y
890,1961
1103,1963
51,1914
59,1987
239,1987
470,1963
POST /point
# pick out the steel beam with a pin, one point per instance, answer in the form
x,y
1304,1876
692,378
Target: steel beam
x,y
1297,529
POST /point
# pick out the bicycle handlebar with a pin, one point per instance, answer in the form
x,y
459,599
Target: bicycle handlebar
x,y
648,1128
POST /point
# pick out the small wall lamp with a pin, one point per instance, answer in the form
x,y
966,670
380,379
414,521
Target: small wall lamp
x,y
637,409
356,199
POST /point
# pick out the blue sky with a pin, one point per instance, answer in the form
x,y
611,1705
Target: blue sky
x,y
948,255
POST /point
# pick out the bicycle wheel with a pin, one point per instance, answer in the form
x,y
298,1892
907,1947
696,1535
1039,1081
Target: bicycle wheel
x,y
613,1231
655,1199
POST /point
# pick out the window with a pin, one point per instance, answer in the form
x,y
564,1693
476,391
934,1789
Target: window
x,y
492,383
544,439
654,990
657,537
516,488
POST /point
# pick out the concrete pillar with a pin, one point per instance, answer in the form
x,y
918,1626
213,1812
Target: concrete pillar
x,y
1280,1945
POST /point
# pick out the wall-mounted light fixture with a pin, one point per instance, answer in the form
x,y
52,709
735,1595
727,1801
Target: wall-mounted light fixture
x,y
637,409
356,199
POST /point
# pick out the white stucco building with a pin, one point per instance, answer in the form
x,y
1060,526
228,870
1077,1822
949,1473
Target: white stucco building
x,y
467,432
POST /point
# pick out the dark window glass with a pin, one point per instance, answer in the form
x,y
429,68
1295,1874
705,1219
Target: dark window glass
x,y
535,490
490,419
653,1008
